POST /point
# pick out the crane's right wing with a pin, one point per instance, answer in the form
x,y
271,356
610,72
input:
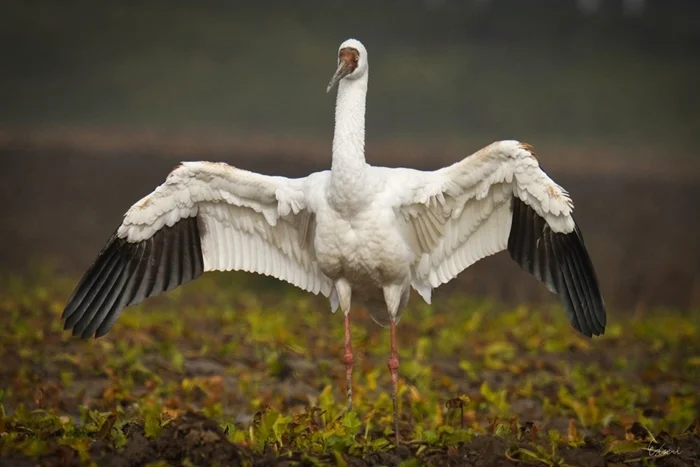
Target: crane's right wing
x,y
205,217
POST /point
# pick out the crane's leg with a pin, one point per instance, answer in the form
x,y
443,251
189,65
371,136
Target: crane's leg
x,y
395,296
394,369
349,359
344,294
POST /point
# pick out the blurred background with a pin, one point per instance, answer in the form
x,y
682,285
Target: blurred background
x,y
99,100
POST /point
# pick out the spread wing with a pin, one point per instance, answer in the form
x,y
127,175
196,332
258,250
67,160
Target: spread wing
x,y
497,199
205,217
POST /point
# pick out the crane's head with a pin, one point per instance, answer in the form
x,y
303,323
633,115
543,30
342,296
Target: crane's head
x,y
352,62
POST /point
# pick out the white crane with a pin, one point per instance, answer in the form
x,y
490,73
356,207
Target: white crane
x,y
355,231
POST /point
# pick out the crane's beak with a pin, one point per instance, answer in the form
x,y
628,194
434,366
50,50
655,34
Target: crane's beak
x,y
344,69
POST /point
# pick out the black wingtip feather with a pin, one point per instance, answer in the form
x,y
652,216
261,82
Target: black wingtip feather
x,y
561,261
583,281
85,285
120,295
126,273
93,286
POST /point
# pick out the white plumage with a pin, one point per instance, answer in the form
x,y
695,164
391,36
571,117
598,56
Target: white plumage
x,y
247,221
354,232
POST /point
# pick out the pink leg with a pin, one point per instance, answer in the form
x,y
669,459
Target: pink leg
x,y
394,369
348,357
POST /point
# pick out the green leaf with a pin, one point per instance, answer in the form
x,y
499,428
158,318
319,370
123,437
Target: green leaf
x,y
152,424
351,421
626,446
280,426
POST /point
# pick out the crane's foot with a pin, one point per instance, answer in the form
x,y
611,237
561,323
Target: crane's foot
x,y
394,369
349,360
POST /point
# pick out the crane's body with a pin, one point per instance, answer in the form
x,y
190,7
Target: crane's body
x,y
354,233
360,246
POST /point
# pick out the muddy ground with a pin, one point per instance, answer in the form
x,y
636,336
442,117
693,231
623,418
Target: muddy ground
x,y
231,370
202,441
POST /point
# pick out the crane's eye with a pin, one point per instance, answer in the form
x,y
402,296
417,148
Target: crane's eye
x,y
350,56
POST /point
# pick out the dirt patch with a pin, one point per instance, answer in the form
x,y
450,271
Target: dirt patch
x,y
192,436
193,439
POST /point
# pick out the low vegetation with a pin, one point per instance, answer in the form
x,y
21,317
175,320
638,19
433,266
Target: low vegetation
x,y
235,369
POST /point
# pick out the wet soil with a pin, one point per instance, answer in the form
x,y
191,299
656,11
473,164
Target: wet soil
x,y
193,439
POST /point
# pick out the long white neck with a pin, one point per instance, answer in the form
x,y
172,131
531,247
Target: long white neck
x,y
348,167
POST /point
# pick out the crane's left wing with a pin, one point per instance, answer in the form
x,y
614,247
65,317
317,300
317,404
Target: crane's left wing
x,y
205,217
497,199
